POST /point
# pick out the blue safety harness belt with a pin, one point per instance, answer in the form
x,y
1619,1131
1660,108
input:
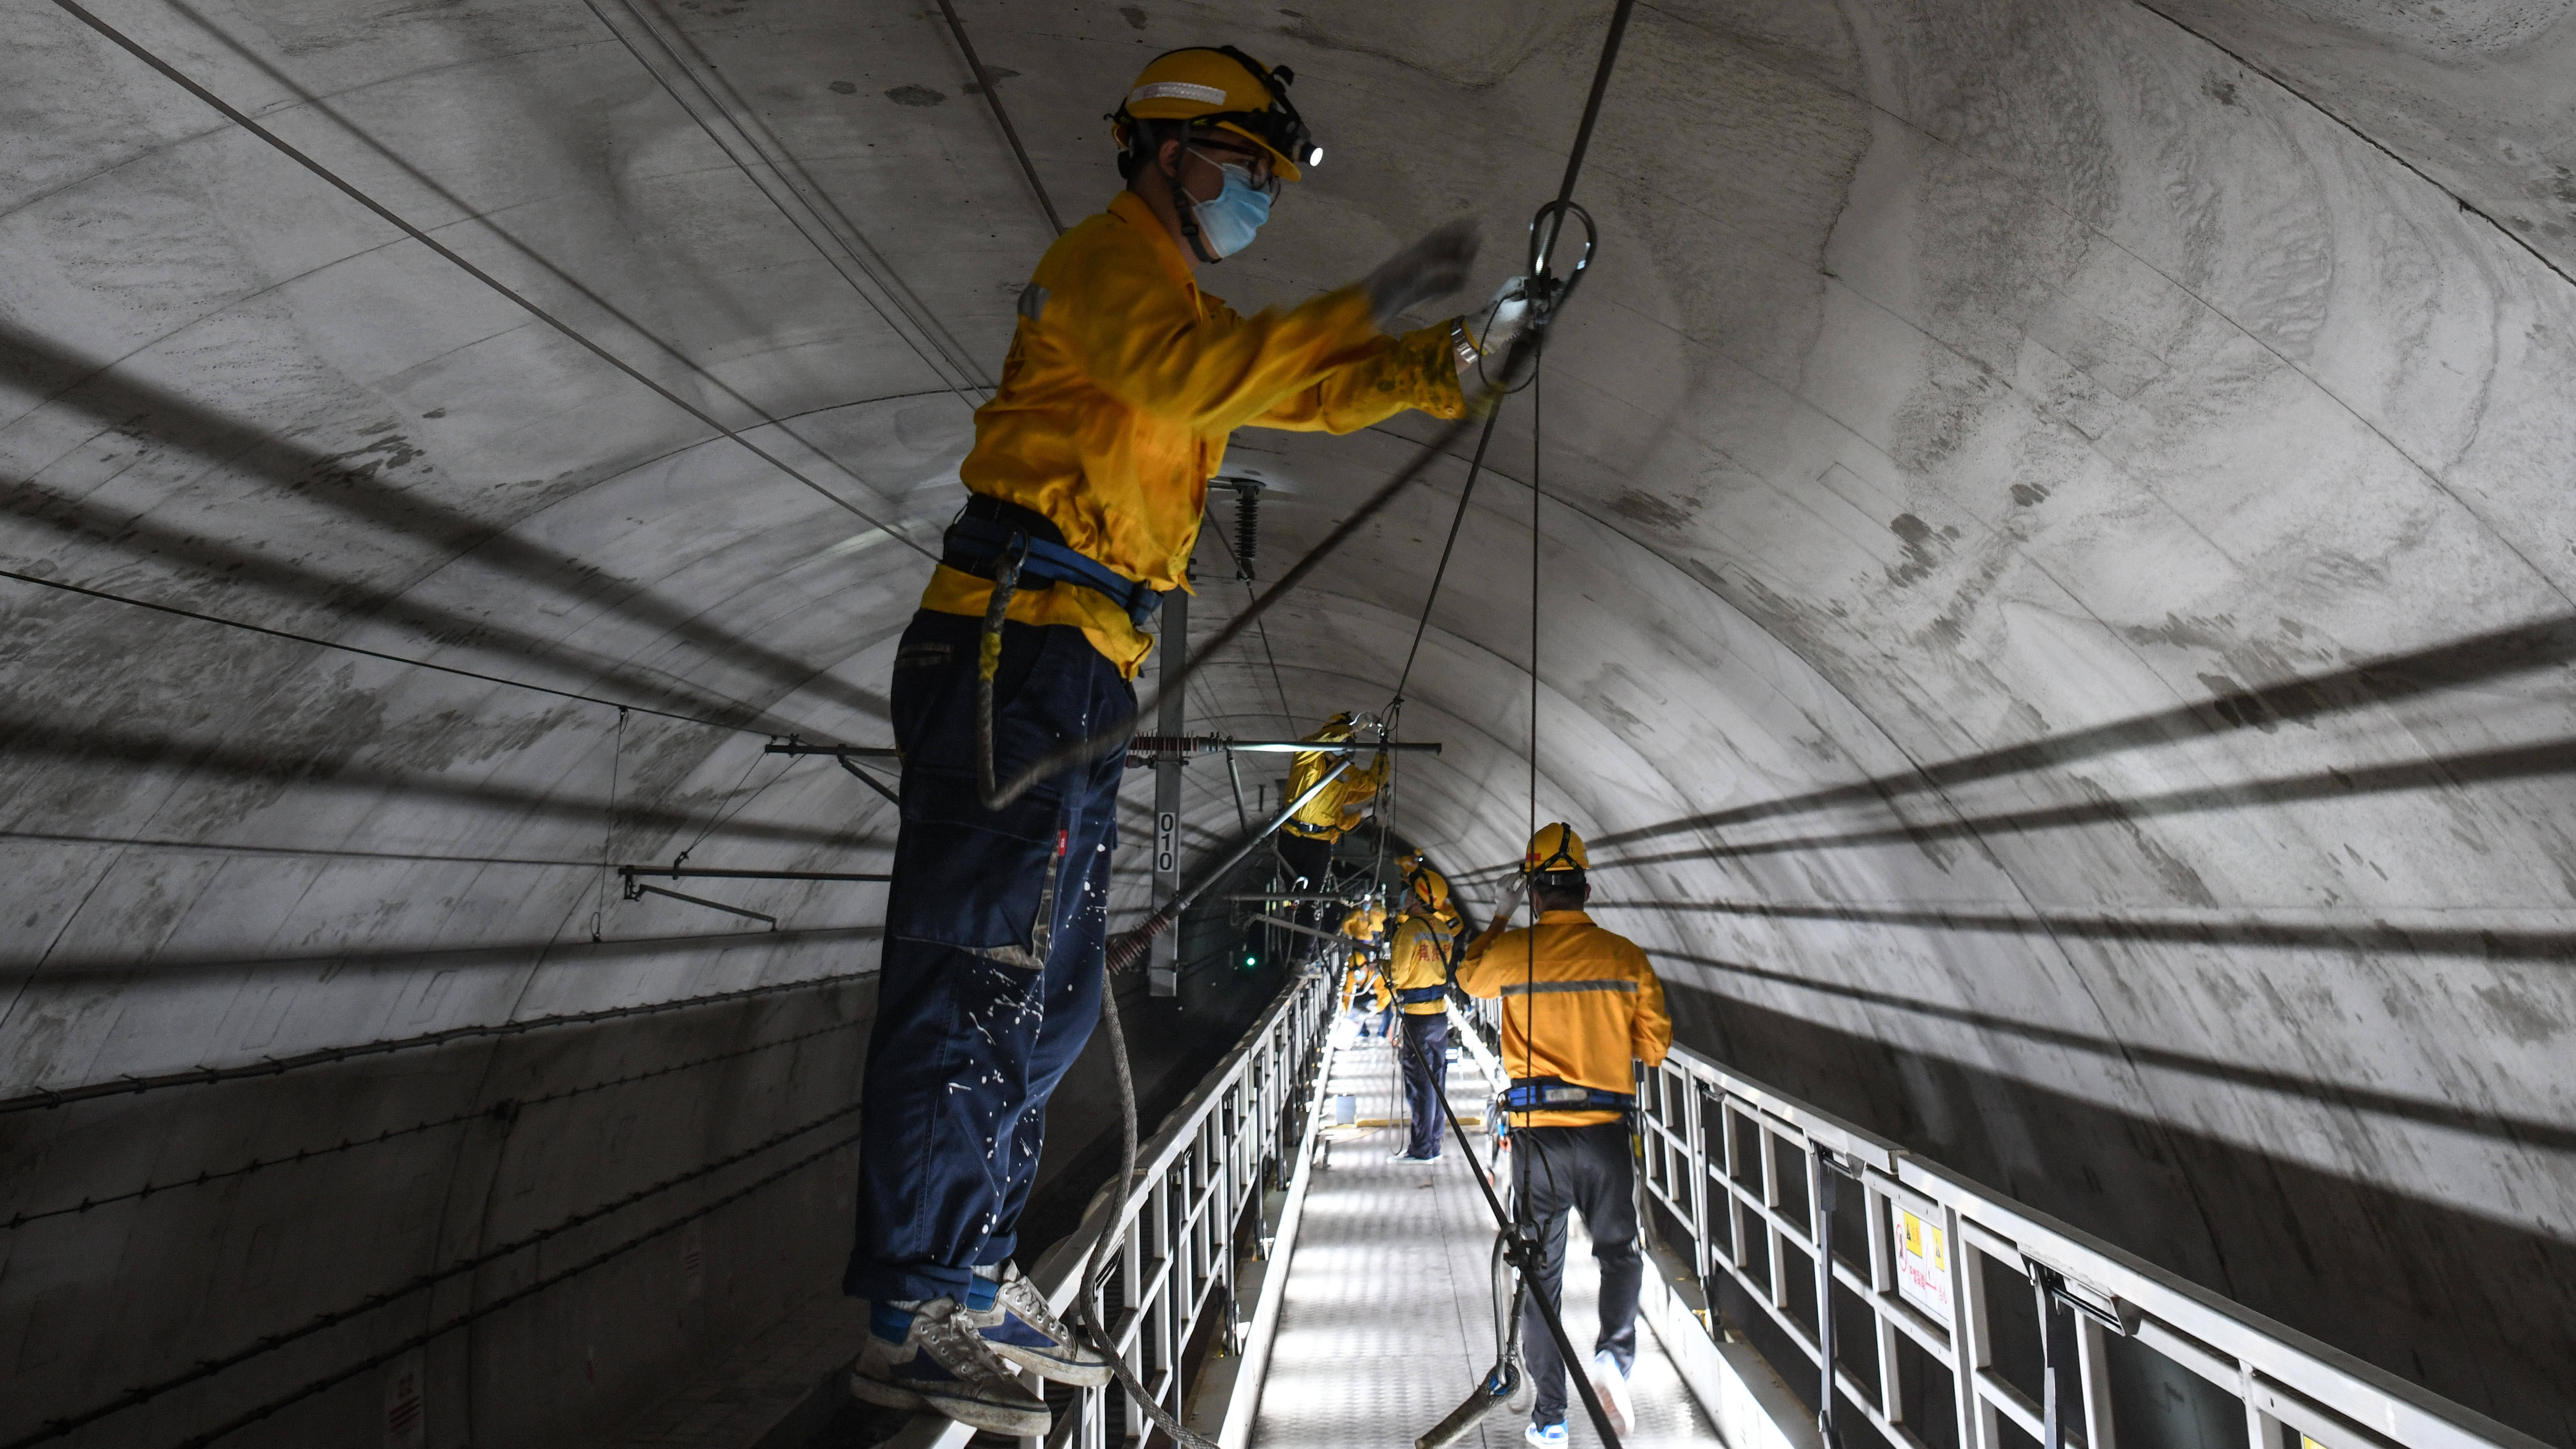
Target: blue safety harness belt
x,y
1416,995
1555,1094
989,527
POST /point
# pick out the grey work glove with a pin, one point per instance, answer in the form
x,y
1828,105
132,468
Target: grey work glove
x,y
1509,901
1431,268
1502,319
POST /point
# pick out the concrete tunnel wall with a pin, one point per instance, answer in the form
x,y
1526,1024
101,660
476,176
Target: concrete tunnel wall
x,y
1981,420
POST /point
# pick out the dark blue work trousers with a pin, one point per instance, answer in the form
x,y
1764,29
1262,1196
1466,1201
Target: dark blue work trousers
x,y
995,924
1425,1051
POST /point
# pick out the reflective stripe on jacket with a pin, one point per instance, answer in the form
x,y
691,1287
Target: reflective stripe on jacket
x,y
1579,1004
1122,383
1418,963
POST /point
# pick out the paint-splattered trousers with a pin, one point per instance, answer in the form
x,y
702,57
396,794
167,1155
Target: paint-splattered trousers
x,y
995,924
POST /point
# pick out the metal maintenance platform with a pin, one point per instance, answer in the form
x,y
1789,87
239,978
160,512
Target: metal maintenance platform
x,y
1388,1319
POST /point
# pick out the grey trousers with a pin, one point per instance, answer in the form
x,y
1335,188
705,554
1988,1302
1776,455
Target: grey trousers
x,y
1589,1170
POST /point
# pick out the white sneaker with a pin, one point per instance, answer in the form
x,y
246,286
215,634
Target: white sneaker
x,y
1611,1383
1545,1436
1022,1328
942,1364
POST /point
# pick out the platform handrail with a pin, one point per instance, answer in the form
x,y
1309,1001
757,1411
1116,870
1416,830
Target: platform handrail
x,y
1704,1129
1194,1178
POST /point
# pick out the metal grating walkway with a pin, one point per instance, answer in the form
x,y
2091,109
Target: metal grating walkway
x,y
1387,1320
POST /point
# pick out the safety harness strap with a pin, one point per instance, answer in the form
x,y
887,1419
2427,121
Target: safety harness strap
x,y
990,526
1542,1094
1416,995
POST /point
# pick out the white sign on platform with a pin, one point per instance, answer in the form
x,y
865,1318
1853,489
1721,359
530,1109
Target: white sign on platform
x,y
1923,1265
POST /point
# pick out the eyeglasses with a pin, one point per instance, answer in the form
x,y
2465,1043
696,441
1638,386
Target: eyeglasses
x,y
1257,172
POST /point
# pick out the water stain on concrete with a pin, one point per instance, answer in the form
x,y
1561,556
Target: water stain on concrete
x,y
2517,1015
915,96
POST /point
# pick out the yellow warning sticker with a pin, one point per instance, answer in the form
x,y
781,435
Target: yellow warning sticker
x,y
1923,1265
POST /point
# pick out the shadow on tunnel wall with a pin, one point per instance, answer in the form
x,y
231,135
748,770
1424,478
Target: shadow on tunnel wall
x,y
2471,1308
356,485
2542,644
180,1257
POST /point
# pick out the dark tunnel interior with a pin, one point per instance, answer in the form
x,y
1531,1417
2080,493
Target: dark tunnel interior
x,y
2041,559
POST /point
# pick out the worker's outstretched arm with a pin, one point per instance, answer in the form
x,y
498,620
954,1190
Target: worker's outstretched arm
x,y
1415,371
1168,352
1475,977
1152,346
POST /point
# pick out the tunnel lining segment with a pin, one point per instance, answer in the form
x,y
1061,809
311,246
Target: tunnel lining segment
x,y
445,253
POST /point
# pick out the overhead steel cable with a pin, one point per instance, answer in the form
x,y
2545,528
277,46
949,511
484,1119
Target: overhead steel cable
x,y
448,254
319,643
507,1109
1475,467
584,290
1010,133
839,255
45,1098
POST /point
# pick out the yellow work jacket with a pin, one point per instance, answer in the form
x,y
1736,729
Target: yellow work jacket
x,y
1418,963
1122,384
1361,982
1363,925
1579,1004
1337,809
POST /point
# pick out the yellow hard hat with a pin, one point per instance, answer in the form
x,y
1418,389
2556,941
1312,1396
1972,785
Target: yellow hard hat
x,y
1555,848
1221,86
1429,888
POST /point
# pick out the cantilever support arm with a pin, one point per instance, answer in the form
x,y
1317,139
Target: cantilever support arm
x,y
636,890
1224,744
871,781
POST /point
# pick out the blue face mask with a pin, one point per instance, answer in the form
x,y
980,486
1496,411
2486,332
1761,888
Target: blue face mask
x,y
1228,219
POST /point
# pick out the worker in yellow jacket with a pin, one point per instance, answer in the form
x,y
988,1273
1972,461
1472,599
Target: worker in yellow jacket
x,y
1088,472
1306,842
1414,869
1580,1009
1366,925
1417,969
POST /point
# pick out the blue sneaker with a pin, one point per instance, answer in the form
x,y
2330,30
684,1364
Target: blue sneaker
x,y
1546,1436
932,1358
1018,1324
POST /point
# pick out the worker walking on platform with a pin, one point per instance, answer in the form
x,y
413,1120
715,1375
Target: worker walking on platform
x,y
1088,473
1580,1008
1418,971
1306,841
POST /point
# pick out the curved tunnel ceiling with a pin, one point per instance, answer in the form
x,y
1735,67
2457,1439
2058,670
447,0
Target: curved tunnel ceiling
x,y
2053,546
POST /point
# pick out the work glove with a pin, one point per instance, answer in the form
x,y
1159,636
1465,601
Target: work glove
x,y
1509,902
1503,317
1430,268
